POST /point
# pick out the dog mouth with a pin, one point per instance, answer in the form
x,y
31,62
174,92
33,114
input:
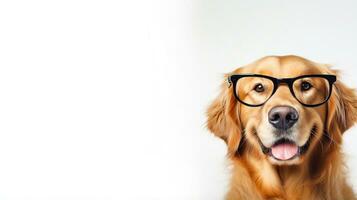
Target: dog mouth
x,y
285,149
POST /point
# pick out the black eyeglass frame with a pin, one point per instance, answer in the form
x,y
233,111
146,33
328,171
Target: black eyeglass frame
x,y
233,79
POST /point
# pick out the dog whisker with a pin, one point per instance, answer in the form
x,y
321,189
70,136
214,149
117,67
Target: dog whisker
x,y
313,133
326,134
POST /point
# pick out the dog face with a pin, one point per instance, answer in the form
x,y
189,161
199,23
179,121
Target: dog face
x,y
282,129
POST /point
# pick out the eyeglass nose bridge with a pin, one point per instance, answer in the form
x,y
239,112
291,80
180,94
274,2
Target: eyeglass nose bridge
x,y
286,82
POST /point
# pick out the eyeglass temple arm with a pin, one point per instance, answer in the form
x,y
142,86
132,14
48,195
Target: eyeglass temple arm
x,y
229,81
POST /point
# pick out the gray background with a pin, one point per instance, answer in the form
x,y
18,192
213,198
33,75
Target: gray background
x,y
106,99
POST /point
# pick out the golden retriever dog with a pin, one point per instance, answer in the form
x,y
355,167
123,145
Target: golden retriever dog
x,y
283,118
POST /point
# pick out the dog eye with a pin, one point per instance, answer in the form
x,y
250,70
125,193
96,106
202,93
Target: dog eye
x,y
305,86
259,88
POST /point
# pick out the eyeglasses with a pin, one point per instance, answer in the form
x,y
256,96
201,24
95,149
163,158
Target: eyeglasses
x,y
256,89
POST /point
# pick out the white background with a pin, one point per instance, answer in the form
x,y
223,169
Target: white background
x,y
106,99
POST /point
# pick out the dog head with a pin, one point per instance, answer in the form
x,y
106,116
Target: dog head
x,y
281,109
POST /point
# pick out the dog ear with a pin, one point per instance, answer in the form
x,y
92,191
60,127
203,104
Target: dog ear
x,y
222,118
342,108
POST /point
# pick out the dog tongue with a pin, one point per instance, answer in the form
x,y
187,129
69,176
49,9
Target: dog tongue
x,y
284,151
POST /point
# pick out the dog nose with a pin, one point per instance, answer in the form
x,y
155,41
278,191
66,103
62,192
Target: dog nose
x,y
283,117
